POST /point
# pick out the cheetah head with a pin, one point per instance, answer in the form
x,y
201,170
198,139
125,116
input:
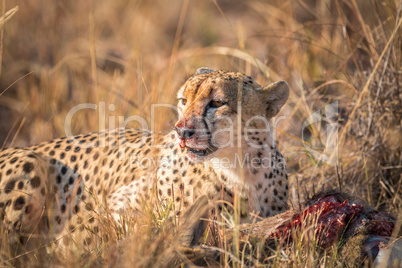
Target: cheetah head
x,y
214,107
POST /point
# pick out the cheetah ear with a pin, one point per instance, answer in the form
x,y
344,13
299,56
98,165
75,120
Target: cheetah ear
x,y
203,70
275,96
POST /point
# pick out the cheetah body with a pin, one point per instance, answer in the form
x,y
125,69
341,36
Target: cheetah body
x,y
65,184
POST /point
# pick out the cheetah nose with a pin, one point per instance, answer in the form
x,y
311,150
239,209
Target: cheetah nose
x,y
185,133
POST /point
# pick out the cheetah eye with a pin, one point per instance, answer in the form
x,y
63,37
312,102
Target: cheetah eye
x,y
183,101
216,103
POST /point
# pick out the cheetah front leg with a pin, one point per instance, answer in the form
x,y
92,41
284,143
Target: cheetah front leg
x,y
131,199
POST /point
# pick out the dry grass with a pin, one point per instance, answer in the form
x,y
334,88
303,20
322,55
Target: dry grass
x,y
57,54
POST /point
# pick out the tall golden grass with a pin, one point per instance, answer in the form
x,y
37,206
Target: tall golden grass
x,y
57,54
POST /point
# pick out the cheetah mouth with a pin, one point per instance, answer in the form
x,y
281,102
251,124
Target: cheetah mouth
x,y
196,152
201,152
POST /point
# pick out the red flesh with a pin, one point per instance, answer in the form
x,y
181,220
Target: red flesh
x,y
331,218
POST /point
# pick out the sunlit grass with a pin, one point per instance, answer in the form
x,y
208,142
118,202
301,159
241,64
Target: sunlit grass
x,y
136,53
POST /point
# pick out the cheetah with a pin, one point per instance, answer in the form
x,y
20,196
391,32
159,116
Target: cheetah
x,y
221,145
